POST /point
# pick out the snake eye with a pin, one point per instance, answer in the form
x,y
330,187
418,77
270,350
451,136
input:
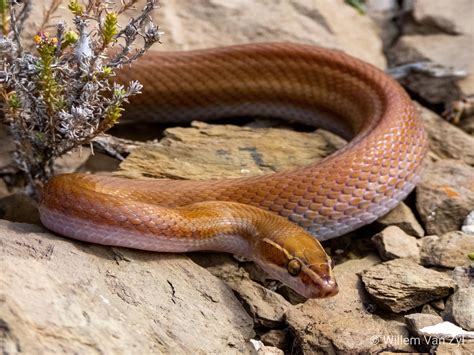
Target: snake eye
x,y
294,267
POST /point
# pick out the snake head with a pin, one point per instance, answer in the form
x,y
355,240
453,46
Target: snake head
x,y
300,262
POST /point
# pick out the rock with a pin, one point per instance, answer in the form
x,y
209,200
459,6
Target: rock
x,y
463,348
446,50
19,207
445,195
447,141
429,309
346,323
449,250
290,295
278,338
102,163
206,151
402,217
417,321
401,284
72,161
266,307
393,243
438,304
265,350
468,224
463,276
467,125
460,308
61,296
219,22
445,15
332,24
270,350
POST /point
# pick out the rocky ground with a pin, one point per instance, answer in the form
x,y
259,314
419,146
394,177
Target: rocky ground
x,y
405,281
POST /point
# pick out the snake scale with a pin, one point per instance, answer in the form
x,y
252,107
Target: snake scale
x,y
274,219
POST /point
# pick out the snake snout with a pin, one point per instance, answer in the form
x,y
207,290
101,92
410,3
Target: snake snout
x,y
320,281
329,288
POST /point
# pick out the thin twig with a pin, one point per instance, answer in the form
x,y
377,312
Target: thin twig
x,y
117,148
48,14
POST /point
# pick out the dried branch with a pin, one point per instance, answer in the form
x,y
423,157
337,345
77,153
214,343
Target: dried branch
x,y
115,147
48,14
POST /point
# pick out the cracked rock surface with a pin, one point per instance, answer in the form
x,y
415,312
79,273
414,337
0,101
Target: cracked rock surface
x,y
105,300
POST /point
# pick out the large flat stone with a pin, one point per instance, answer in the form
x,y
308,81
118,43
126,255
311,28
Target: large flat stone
x,y
445,15
346,323
59,296
205,151
445,196
449,250
400,285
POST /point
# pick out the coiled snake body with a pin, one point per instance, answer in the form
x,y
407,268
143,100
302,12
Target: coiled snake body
x,y
302,83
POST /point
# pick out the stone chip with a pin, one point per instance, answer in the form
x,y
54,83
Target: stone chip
x,y
449,250
393,243
400,285
445,195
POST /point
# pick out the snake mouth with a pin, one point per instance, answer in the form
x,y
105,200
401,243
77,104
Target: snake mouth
x,y
314,281
325,289
319,282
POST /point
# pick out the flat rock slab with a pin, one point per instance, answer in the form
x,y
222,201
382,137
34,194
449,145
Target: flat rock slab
x,y
449,250
401,284
446,348
404,218
447,141
332,24
445,196
417,321
460,308
445,15
57,296
206,151
346,323
394,243
266,307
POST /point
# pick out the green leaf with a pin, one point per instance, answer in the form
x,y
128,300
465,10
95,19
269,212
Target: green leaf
x,y
75,8
110,28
